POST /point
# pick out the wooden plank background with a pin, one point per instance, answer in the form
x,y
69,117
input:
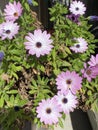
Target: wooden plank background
x,y
2,3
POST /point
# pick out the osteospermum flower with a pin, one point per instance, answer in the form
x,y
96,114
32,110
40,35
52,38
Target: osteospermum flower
x,y
38,43
93,60
66,102
90,72
1,56
13,11
93,18
73,18
30,2
77,7
68,81
48,111
8,30
81,45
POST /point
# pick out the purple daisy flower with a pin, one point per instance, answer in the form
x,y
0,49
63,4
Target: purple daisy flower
x,y
30,2
68,81
38,43
77,7
66,102
73,18
81,45
93,18
93,60
89,72
13,11
8,30
48,111
1,56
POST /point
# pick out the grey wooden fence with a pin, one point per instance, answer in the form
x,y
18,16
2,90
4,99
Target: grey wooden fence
x,y
2,3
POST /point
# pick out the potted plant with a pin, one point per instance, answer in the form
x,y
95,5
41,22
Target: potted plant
x,y
45,75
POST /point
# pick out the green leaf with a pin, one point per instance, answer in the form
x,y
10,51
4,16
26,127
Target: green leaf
x,y
42,68
61,123
12,92
27,7
35,3
1,101
67,50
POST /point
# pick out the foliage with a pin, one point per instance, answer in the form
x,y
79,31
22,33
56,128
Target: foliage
x,y
25,79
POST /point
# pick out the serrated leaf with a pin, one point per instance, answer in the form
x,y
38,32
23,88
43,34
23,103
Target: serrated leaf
x,y
12,92
61,123
67,50
1,101
27,7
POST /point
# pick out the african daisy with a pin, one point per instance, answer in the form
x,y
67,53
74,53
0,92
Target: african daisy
x,y
66,102
74,18
68,81
38,43
90,72
8,30
77,7
1,56
30,2
93,60
48,111
80,45
13,11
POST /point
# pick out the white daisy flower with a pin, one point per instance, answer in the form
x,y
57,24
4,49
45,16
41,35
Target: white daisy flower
x,y
66,102
81,45
77,7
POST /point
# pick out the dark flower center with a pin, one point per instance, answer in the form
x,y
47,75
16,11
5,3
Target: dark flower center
x,y
38,44
73,18
88,72
77,46
15,14
48,110
64,100
68,81
77,8
8,31
16,108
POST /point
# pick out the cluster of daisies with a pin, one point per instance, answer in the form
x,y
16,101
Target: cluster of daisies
x,y
9,28
77,9
68,83
49,110
39,43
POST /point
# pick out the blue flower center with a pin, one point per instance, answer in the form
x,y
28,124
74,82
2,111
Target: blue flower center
x,y
48,110
64,100
77,8
77,46
68,81
38,44
8,31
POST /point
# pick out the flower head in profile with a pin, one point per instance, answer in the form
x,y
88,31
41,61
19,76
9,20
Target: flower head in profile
x,y
93,18
48,111
1,56
30,2
93,60
68,81
66,102
81,45
90,72
13,11
77,7
38,43
8,30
